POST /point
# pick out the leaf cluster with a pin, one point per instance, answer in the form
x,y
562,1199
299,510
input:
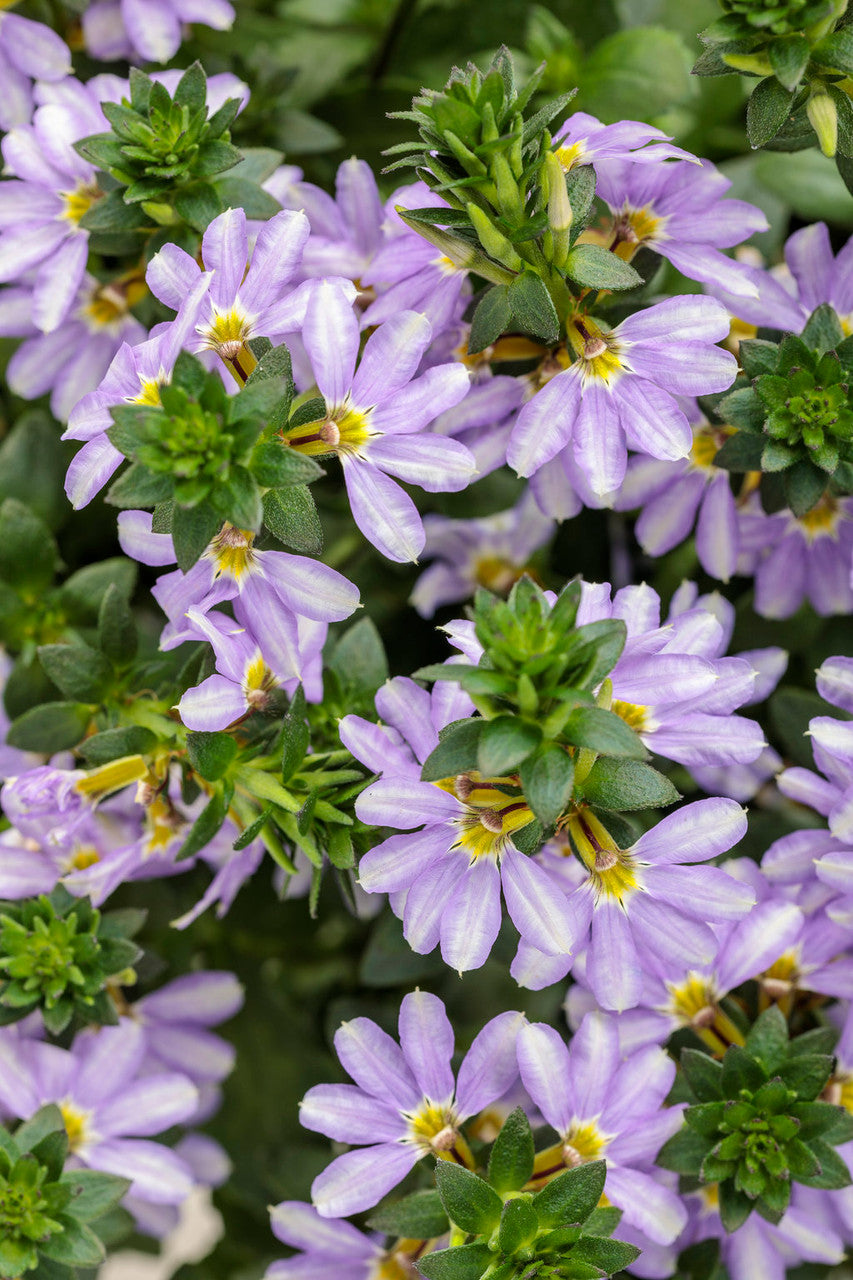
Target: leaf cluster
x,y
57,954
49,1215
756,1125
540,716
793,410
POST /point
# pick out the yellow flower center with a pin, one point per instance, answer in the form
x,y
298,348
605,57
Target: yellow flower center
x,y
612,871
693,1001
570,155
231,552
109,303
497,575
258,683
599,353
822,521
491,817
394,1266
345,431
149,392
85,856
76,1124
632,228
582,1142
164,824
632,713
782,976
707,441
79,201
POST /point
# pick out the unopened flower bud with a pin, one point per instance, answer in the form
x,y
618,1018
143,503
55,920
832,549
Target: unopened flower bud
x,y
493,241
823,117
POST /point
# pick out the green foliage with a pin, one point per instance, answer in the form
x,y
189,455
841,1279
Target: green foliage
x,y
50,1216
511,1233
57,954
755,1127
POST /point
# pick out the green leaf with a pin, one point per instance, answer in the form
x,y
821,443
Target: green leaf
x,y
420,1216
804,486
358,659
627,784
291,516
470,1202
767,110
768,1039
571,1196
276,466
191,90
76,1246
205,827
684,1152
547,778
596,648
807,1074
604,732
735,1206
456,751
79,673
116,628
504,743
51,727
704,1074
112,744
518,1227
511,1157
93,1193
610,1255
789,57
833,1172
594,267
86,588
835,51
818,1118
237,193
757,356
28,553
239,500
790,712
139,487
533,307
464,1262
823,331
295,737
254,829
491,318
199,205
741,452
210,754
740,1071
192,530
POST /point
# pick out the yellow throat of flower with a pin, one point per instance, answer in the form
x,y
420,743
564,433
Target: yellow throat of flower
x,y
491,816
76,1123
231,552
598,352
345,431
707,441
823,519
613,871
79,201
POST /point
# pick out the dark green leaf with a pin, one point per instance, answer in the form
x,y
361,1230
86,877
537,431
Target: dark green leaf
x,y
491,318
571,1196
28,554
547,778
359,660
464,1262
767,110
807,1074
804,486
741,452
704,1074
533,308
456,751
740,1071
684,1152
291,516
604,732
503,743
112,744
627,784
205,827
518,1227
768,1039
81,674
511,1157
789,57
51,727
470,1202
116,628
594,267
420,1216
93,1193
210,754
199,205
192,530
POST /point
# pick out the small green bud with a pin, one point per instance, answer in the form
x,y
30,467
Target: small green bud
x,y
493,241
823,117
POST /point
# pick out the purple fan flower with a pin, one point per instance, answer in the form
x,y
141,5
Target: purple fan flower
x,y
346,229
150,30
642,908
678,211
405,1104
798,558
110,1111
605,1106
134,377
483,420
276,595
785,296
583,139
675,496
492,552
620,391
330,1248
176,1018
244,680
40,210
446,879
376,415
409,273
70,361
28,51
412,719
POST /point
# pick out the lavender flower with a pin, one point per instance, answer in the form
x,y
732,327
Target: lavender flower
x,y
346,229
675,496
28,51
176,1018
110,1111
134,377
328,1248
606,1106
404,1104
72,359
620,391
376,415
412,720
151,30
446,879
798,558
678,210
582,139
492,552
